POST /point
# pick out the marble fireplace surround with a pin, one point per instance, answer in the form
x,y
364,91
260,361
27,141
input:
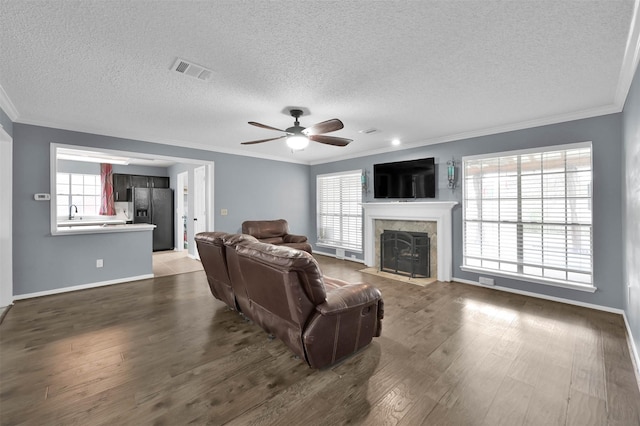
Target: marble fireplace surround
x,y
435,211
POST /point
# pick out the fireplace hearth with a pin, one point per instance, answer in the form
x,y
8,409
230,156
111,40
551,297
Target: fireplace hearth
x,y
405,253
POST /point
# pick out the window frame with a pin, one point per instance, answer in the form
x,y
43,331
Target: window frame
x,y
70,194
353,248
519,275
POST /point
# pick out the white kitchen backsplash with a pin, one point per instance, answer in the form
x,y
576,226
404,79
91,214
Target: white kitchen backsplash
x,y
122,210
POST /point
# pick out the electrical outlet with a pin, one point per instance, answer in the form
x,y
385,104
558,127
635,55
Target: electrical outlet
x,y
224,212
486,281
99,263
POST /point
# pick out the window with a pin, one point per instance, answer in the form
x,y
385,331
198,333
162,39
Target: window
x,y
83,191
528,214
339,210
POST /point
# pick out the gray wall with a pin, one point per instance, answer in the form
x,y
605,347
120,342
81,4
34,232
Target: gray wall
x,y
6,122
249,188
631,213
606,134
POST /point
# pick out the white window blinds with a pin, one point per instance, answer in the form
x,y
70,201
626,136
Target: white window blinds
x,y
528,214
339,210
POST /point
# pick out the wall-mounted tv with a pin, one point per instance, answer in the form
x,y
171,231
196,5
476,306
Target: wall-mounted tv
x,y
405,179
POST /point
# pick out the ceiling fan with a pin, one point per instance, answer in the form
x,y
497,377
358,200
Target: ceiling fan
x,y
298,137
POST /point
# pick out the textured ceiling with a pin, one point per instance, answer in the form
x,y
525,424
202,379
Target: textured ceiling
x,y
422,72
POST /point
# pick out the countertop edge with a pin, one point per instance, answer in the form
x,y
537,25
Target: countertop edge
x,y
98,229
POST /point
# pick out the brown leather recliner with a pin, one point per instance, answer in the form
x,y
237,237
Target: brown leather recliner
x,y
213,255
275,232
321,319
231,242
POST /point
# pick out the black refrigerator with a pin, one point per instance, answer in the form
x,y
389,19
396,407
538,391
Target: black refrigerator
x,y
155,206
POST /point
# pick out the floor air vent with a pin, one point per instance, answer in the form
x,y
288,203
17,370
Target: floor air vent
x,y
192,70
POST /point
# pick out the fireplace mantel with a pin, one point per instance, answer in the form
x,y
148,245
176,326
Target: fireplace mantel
x,y
436,211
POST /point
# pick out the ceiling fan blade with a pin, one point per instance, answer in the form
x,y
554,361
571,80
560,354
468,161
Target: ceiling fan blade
x,y
264,126
263,140
330,140
324,127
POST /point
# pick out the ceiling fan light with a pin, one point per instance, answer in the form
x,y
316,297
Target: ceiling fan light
x,y
297,142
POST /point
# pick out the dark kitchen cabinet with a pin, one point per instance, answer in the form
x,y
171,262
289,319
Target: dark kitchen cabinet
x,y
159,181
138,181
122,182
120,185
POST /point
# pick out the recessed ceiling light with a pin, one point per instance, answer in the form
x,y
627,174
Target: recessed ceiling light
x,y
395,142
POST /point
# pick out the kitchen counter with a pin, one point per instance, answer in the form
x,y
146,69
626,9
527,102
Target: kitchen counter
x,y
91,222
61,229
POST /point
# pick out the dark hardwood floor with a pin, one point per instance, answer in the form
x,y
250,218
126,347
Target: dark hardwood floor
x,y
164,351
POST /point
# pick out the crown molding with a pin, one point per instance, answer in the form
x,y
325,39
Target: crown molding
x,y
630,59
161,141
7,106
560,118
555,119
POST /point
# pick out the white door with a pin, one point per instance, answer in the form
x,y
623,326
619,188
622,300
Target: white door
x,y
199,203
182,189
6,214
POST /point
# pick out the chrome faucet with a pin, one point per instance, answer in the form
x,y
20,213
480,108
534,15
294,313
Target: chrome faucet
x,y
70,213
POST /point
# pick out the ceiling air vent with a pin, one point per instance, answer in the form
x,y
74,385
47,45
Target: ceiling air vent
x,y
192,70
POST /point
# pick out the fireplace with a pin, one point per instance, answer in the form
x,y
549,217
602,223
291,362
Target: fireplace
x,y
405,253
435,211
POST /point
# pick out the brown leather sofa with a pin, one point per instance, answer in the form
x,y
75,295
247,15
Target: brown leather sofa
x,y
211,247
275,232
321,319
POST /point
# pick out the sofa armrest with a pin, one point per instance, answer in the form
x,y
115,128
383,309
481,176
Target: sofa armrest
x,y
347,321
291,238
349,297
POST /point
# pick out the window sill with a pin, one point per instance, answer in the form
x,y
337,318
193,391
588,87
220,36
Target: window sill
x,y
553,283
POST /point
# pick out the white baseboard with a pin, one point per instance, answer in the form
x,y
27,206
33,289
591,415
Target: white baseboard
x,y
81,287
350,259
542,296
635,359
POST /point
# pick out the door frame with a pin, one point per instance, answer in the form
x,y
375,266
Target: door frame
x,y
182,180
6,219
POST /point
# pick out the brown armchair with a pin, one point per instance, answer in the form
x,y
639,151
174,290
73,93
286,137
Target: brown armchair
x,y
275,232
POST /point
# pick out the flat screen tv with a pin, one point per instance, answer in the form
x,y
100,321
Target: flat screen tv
x,y
405,179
